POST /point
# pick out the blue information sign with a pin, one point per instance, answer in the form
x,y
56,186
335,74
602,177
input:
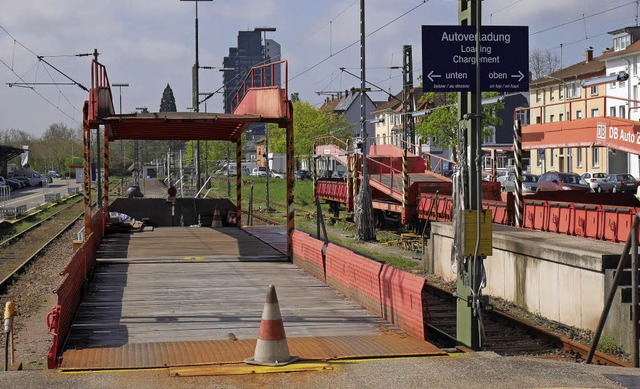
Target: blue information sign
x,y
449,58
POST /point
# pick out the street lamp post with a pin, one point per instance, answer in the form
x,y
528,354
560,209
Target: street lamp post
x,y
264,31
195,92
208,96
120,86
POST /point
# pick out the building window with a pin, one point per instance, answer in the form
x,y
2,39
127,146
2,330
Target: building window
x,y
595,112
578,114
622,111
579,156
594,90
552,118
612,111
540,157
573,90
621,42
595,157
551,92
561,92
491,138
537,119
551,157
522,117
613,84
538,95
560,117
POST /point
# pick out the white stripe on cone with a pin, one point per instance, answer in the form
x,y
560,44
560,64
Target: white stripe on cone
x,y
271,352
216,222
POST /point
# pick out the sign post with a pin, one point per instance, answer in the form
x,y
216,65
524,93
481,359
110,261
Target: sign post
x,y
470,59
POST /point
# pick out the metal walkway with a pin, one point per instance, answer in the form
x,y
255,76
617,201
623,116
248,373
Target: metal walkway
x,y
182,296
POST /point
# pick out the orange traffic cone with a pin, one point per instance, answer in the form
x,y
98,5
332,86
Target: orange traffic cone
x,y
271,347
217,221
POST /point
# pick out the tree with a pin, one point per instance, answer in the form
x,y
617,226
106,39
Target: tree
x,y
543,62
309,124
168,102
441,123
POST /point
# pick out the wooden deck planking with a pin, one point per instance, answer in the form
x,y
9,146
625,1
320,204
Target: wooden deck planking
x,y
221,292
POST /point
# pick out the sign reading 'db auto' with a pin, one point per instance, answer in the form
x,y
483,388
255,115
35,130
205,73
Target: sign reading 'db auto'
x,y
449,58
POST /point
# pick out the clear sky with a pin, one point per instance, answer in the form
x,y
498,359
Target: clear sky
x,y
149,43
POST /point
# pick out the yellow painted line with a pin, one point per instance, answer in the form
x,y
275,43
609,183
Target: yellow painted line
x,y
237,369
70,372
193,258
361,360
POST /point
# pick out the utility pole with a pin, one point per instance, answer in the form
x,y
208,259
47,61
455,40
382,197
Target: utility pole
x,y
407,95
264,30
363,216
470,267
196,93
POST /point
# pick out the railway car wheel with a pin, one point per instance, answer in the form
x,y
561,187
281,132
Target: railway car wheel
x,y
379,220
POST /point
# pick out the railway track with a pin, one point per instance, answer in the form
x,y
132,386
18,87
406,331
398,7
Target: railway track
x,y
19,250
506,335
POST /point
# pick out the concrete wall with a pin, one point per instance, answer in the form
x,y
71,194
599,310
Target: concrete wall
x,y
561,283
562,278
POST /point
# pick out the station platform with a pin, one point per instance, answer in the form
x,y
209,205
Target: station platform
x,y
181,296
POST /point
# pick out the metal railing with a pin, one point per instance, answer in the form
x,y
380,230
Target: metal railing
x,y
630,245
257,78
577,104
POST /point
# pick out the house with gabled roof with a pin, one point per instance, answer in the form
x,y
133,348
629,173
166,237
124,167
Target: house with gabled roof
x,y
348,104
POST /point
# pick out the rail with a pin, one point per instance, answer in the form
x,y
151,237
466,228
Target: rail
x,y
329,139
383,169
257,78
100,97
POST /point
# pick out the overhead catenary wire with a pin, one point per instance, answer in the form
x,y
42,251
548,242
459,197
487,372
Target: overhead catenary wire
x,y
356,42
40,60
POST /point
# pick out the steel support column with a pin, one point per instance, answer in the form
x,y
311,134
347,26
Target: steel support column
x,y
86,151
106,173
238,182
291,225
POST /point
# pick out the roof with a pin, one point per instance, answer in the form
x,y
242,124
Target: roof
x,y
580,70
394,103
8,152
345,103
178,126
632,48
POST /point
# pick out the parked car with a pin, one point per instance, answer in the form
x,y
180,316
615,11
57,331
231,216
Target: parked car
x,y
598,181
338,174
302,175
260,171
554,181
623,182
14,184
277,174
3,183
529,183
502,175
53,174
24,181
